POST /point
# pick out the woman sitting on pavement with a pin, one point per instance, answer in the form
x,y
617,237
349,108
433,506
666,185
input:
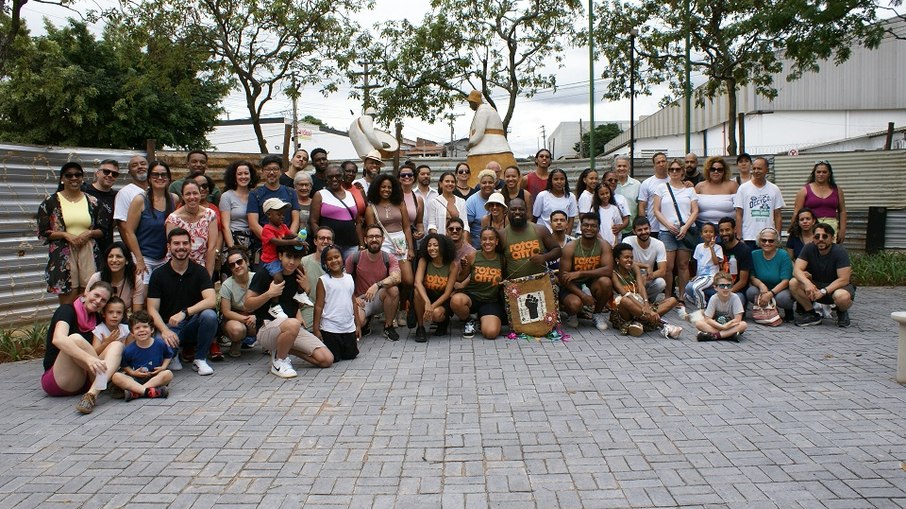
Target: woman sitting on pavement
x,y
237,324
772,270
434,280
481,294
631,312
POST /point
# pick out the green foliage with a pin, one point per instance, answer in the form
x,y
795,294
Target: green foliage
x,y
22,343
887,268
733,43
603,134
70,88
494,46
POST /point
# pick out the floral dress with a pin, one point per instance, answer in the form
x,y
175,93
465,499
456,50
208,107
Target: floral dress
x,y
198,232
50,219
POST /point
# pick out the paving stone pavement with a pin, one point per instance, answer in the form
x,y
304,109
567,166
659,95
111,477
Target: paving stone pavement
x,y
789,417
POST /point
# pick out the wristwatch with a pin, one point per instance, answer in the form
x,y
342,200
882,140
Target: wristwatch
x,y
824,291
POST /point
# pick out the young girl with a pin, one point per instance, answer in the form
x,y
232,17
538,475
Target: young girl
x,y
481,295
334,304
555,197
511,187
612,220
113,328
585,190
708,257
434,281
632,314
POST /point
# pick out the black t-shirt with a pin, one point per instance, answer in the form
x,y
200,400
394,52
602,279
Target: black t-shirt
x,y
823,268
106,200
317,183
286,180
64,313
177,292
261,282
739,258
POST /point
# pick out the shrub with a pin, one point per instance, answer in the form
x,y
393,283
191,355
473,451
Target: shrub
x,y
887,268
22,343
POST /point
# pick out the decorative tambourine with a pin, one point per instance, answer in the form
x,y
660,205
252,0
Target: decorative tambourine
x,y
532,304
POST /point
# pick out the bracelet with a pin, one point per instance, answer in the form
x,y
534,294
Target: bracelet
x,y
186,312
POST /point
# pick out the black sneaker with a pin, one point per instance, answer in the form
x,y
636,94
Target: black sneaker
x,y
704,336
442,328
411,322
366,329
788,316
842,318
391,334
420,335
468,330
808,319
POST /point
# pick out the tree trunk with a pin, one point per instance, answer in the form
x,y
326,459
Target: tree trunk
x,y
256,122
731,116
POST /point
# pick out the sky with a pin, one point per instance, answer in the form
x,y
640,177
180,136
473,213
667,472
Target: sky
x,y
542,113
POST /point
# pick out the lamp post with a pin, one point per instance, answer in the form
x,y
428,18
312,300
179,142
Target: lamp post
x,y
632,35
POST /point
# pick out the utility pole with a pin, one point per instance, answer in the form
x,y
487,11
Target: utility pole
x,y
581,141
543,137
295,98
591,84
366,85
451,117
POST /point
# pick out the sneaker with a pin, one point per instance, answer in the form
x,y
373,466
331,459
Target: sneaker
x,y
224,341
303,299
391,334
635,329
572,321
175,364
843,319
411,321
158,392
277,312
671,331
215,354
420,335
468,330
442,328
704,336
236,349
129,395
808,319
788,316
86,404
116,392
249,342
681,312
283,368
600,321
202,367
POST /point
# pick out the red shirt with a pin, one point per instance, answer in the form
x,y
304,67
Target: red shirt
x,y
268,248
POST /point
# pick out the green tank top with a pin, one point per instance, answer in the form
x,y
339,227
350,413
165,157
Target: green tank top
x,y
586,260
485,278
436,278
518,248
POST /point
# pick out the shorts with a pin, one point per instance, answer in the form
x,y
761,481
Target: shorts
x,y
395,240
49,384
829,298
492,308
376,306
671,243
273,267
342,345
433,296
305,341
81,264
151,264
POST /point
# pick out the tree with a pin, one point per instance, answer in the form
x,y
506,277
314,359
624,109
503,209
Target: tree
x,y
603,134
733,43
70,88
267,43
494,46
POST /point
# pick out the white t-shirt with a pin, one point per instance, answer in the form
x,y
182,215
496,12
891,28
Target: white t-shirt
x,y
702,256
717,308
123,200
584,201
610,216
646,194
101,331
684,198
546,203
655,254
758,205
364,183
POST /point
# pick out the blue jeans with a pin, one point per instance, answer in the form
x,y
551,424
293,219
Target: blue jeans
x,y
199,330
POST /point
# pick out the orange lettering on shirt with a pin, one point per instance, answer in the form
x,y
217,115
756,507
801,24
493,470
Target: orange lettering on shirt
x,y
586,262
526,249
490,275
435,283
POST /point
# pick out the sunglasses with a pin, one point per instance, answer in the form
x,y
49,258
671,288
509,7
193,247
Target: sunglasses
x,y
110,173
73,175
236,263
158,175
674,169
724,286
610,180
454,229
717,169
464,172
203,186
768,241
407,175
822,236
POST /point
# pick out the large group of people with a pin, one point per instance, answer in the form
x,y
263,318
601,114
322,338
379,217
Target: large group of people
x,y
307,262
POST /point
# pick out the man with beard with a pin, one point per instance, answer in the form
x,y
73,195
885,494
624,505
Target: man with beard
x,y
311,265
272,168
186,317
649,188
318,178
586,261
197,163
296,165
650,256
138,171
536,181
377,278
527,247
102,189
692,175
738,256
423,187
822,274
371,167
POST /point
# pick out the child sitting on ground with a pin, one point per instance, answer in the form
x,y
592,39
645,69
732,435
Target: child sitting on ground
x,y
145,362
723,316
113,328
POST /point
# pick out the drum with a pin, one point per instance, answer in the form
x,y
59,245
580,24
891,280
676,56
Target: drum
x,y
532,304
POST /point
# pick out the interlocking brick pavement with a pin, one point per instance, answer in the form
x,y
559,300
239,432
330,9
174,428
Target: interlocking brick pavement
x,y
789,417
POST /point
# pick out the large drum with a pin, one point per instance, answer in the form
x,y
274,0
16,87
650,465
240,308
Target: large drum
x,y
532,304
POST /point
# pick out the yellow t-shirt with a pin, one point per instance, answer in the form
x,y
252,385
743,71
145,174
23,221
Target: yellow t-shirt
x,y
75,215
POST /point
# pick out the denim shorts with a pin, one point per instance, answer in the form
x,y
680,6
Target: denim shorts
x,y
670,242
273,267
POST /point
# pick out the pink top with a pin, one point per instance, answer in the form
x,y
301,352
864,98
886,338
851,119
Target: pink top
x,y
198,232
823,207
411,206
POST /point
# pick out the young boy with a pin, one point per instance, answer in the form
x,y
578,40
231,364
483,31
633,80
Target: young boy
x,y
113,328
723,316
145,362
275,233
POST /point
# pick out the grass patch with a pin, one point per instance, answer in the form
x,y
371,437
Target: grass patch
x,y
23,343
887,268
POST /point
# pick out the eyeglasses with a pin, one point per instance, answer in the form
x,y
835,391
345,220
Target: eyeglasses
x,y
236,263
454,229
324,238
717,169
158,175
407,175
110,173
373,236
724,286
333,177
768,241
73,175
463,172
822,236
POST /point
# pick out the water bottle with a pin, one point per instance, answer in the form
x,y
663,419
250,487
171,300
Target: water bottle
x,y
302,236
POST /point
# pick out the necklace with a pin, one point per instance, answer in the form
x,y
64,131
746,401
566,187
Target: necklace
x,y
386,211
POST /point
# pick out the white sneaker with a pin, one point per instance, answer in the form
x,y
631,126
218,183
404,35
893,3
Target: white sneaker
x,y
468,330
600,321
202,367
283,368
303,299
681,312
572,321
671,331
175,363
277,312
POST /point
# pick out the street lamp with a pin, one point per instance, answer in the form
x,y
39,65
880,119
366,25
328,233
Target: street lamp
x,y
632,35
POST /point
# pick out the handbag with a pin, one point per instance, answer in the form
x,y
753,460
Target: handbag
x,y
693,236
767,315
